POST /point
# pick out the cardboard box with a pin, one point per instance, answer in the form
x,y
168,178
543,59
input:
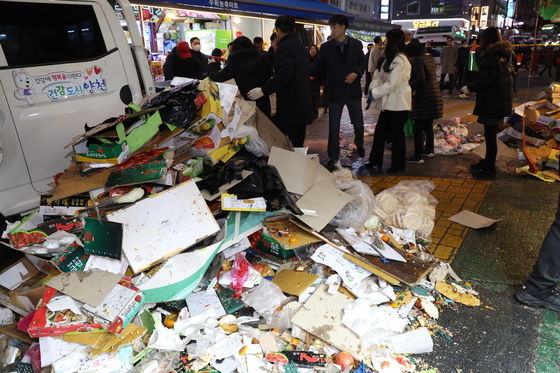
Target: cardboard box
x,y
18,273
44,321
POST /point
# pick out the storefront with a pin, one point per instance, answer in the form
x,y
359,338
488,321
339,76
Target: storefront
x,y
248,18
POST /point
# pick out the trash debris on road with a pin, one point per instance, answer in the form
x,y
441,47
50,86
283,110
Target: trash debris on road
x,y
187,235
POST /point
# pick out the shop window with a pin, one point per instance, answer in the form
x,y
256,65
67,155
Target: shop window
x,y
438,6
413,7
46,33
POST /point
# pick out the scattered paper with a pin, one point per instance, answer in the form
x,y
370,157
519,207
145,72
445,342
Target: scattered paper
x,y
326,200
370,245
321,316
230,202
53,349
451,292
352,274
7,317
88,287
203,301
417,341
102,263
167,339
472,220
294,282
62,303
298,173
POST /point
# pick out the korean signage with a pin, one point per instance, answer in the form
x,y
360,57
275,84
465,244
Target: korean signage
x,y
412,25
59,85
426,23
224,4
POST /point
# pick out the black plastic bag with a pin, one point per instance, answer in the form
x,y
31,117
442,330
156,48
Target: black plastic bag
x,y
180,107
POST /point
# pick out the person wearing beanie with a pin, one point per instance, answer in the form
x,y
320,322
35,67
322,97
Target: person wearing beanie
x,y
180,62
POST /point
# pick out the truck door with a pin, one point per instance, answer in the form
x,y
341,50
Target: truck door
x,y
65,65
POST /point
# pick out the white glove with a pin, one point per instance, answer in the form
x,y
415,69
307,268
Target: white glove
x,y
465,90
255,94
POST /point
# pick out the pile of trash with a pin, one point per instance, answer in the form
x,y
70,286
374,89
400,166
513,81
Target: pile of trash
x,y
188,236
451,137
535,129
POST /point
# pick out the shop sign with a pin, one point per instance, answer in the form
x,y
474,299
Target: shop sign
x,y
376,27
59,85
426,23
224,4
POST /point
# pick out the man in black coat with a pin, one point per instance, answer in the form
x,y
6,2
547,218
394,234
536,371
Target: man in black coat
x,y
250,69
342,61
199,56
290,81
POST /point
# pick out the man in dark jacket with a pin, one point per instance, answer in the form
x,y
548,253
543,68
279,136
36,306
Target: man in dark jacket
x,y
250,69
342,61
294,108
180,62
427,103
199,56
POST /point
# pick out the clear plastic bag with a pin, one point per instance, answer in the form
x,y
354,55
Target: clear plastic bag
x,y
255,145
265,299
408,205
357,211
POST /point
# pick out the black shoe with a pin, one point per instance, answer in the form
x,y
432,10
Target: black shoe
x,y
333,165
393,170
485,174
361,151
373,168
550,300
478,166
415,160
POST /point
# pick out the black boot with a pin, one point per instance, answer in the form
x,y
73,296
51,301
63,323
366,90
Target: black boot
x,y
549,299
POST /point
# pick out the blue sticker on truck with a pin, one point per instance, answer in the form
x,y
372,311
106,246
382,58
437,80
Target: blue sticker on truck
x,y
59,85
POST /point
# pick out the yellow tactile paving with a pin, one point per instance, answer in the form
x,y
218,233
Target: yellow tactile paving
x,y
453,195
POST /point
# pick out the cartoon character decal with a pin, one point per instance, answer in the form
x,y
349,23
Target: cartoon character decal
x,y
24,84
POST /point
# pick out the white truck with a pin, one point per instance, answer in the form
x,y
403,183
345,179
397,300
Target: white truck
x,y
63,63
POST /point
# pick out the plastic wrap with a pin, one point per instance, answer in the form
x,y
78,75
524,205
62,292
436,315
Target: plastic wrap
x,y
265,299
408,205
239,273
359,209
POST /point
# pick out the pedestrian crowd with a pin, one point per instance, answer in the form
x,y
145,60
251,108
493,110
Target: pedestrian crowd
x,y
400,81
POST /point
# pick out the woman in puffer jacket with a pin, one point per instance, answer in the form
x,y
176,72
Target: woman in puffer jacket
x,y
493,88
427,104
391,91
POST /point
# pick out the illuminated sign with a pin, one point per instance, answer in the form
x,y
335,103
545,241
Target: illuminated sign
x,y
423,24
484,16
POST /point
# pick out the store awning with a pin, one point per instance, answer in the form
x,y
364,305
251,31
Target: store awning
x,y
307,9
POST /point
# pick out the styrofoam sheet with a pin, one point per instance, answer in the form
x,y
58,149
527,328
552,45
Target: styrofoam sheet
x,y
163,225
